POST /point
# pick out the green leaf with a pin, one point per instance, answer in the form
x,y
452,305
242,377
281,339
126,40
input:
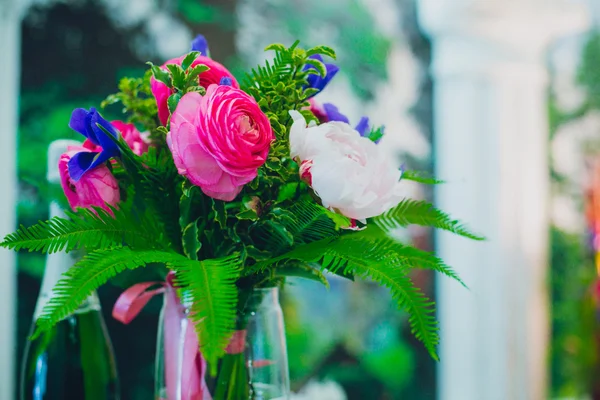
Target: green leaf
x,y
319,66
275,47
247,214
190,240
272,236
324,50
302,270
340,220
92,228
218,207
210,287
189,59
173,101
179,78
160,75
376,134
91,272
420,177
197,89
310,222
194,73
287,191
419,212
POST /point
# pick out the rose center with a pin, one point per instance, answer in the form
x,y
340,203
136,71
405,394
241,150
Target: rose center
x,y
247,127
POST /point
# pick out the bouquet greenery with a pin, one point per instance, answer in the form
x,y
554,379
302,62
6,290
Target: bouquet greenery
x,y
234,186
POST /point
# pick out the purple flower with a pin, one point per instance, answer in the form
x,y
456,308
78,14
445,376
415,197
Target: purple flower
x,y
201,45
317,81
363,127
333,114
225,81
88,124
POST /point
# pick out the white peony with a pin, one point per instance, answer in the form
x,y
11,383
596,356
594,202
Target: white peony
x,y
350,174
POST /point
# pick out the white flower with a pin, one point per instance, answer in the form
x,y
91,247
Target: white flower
x,y
350,173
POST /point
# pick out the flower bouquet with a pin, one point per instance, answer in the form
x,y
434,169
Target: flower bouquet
x,y
233,187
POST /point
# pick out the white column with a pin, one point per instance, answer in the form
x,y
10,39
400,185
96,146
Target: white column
x,y
491,145
10,42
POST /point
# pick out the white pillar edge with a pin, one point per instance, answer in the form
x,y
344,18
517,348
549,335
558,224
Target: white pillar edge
x,y
10,43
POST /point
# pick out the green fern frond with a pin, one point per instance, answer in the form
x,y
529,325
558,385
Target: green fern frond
x,y
157,184
417,258
417,176
91,272
90,228
368,259
310,222
420,309
419,212
160,185
210,286
370,254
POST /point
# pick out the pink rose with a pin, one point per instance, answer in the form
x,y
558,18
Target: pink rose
x,y
98,187
134,139
219,140
162,92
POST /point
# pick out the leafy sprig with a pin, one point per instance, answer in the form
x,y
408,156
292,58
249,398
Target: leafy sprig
x,y
91,229
137,100
420,212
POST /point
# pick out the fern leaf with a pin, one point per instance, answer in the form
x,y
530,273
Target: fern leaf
x,y
420,212
95,228
210,286
372,255
366,259
310,222
417,258
91,272
416,176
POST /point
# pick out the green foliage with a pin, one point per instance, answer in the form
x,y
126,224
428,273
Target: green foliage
x,y
420,212
137,100
417,176
575,360
279,86
588,75
370,254
156,184
376,134
91,272
89,228
209,286
308,222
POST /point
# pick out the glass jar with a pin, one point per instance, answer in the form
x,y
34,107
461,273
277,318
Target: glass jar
x,y
255,366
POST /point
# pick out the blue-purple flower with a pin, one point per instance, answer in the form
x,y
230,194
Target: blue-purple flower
x,y
329,112
317,81
333,114
200,44
88,124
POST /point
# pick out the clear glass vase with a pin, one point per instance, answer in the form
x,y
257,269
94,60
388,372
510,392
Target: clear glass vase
x,y
254,368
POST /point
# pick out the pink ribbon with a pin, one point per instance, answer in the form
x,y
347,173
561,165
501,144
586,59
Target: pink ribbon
x,y
184,380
